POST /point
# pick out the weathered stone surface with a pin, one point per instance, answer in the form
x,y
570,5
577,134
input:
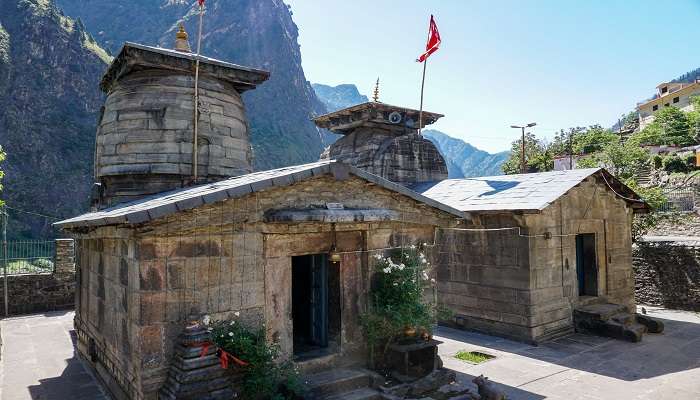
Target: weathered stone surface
x,y
46,291
667,274
144,139
524,286
407,158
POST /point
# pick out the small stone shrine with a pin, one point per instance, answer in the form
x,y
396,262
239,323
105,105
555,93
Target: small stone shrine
x,y
385,140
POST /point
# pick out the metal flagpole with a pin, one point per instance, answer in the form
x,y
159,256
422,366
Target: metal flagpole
x,y
422,86
196,98
4,260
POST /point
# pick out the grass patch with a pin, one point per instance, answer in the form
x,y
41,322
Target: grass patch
x,y
474,357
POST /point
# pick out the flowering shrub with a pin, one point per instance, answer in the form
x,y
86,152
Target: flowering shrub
x,y
398,299
263,378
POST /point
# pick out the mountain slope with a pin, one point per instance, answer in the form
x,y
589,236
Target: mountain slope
x,y
49,73
338,97
465,160
256,33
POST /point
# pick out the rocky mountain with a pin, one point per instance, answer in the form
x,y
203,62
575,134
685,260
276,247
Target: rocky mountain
x,y
463,159
337,97
49,99
256,33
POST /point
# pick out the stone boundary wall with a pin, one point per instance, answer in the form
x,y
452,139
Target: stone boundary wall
x,y
677,224
34,293
667,274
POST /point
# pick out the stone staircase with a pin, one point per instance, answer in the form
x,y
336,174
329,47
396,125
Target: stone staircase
x,y
344,383
613,320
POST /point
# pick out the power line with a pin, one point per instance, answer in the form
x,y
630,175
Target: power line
x,y
32,213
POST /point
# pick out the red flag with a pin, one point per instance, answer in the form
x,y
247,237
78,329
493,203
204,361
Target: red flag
x,y
201,3
433,41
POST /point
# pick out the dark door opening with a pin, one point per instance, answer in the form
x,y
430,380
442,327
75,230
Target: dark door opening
x,y
586,265
315,305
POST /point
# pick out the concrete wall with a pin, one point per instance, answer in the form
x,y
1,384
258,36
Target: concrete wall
x,y
525,287
33,293
667,274
139,284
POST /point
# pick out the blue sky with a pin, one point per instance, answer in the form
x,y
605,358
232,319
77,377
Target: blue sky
x,y
559,63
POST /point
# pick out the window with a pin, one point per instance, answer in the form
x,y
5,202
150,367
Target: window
x,y
664,89
676,99
666,105
655,107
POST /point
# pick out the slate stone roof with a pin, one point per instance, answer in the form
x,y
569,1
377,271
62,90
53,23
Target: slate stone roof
x,y
522,192
134,57
163,204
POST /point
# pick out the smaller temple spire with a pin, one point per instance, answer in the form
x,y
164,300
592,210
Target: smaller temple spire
x,y
181,42
375,97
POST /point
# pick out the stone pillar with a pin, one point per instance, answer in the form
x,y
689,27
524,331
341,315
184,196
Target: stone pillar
x,y
64,259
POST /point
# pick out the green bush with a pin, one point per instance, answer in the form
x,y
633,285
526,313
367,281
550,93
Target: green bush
x,y
658,161
399,301
690,160
263,377
673,163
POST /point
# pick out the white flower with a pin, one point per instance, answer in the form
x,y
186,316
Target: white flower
x,y
237,313
232,323
413,246
432,280
206,320
425,275
396,284
387,270
401,267
230,334
378,256
222,335
425,244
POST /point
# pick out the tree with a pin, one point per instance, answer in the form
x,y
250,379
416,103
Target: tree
x,y
538,158
670,126
621,159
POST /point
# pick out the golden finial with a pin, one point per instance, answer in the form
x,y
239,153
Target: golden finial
x,y
375,98
181,42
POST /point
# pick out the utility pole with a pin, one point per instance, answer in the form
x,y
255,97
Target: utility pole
x,y
523,167
4,260
571,149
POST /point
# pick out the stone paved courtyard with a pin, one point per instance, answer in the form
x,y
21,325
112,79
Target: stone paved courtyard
x,y
664,366
38,361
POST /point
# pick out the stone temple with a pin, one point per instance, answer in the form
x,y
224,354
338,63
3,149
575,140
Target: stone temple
x,y
384,140
531,257
144,137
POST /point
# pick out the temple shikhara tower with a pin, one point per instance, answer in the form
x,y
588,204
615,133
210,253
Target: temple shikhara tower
x,y
145,135
384,140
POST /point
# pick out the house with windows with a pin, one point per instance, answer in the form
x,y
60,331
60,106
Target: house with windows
x,y
676,94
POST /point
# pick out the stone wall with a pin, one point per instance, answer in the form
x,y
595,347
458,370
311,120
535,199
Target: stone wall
x,y
403,158
34,293
677,224
667,274
523,284
144,139
139,283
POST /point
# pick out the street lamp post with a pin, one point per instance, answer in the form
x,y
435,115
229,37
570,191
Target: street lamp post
x,y
522,144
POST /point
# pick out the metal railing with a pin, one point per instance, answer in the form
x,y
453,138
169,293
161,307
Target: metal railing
x,y
28,257
679,199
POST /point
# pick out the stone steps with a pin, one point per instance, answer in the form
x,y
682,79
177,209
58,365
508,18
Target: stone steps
x,y
358,394
342,383
613,320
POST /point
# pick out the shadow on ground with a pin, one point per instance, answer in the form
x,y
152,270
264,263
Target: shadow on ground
x,y
73,383
675,350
